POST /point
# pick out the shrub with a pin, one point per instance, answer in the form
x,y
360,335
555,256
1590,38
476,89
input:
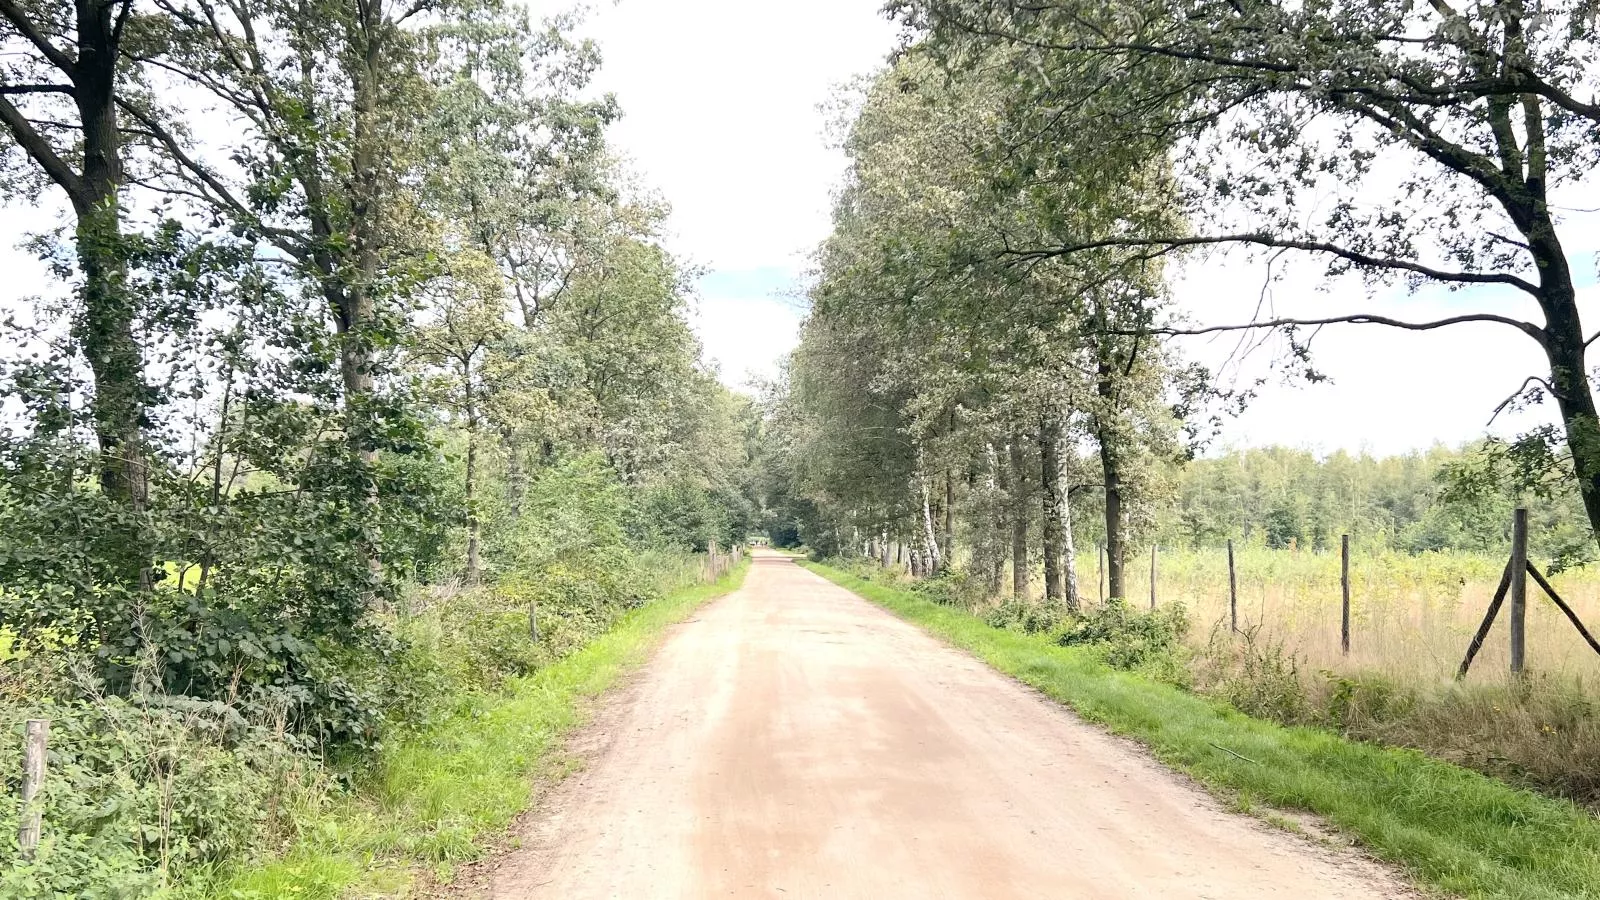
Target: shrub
x,y
1024,616
952,588
140,796
1128,638
1257,674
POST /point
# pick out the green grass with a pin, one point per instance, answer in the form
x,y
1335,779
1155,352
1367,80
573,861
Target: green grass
x,y
1452,829
443,796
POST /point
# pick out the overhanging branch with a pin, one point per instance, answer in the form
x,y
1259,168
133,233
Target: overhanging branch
x,y
1168,244
40,150
1528,328
37,89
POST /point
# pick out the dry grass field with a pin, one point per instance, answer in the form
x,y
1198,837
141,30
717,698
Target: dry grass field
x,y
1412,616
1412,619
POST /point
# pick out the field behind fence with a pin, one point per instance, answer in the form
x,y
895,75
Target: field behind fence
x,y
1412,615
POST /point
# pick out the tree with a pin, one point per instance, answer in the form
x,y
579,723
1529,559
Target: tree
x,y
1436,136
469,320
62,87
917,311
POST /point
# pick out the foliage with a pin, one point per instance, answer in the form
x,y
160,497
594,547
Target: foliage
x,y
1447,146
1128,638
336,424
941,394
142,794
442,793
1439,499
951,587
1025,616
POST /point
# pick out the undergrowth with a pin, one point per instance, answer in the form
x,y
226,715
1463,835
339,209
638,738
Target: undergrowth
x,y
163,796
1453,829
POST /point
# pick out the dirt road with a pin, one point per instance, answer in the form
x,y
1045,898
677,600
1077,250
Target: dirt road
x,y
794,740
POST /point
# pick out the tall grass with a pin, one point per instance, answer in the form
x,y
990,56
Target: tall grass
x,y
1412,614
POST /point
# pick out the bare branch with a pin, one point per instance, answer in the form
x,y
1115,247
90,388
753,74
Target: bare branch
x,y
39,148
1518,393
1528,328
1168,244
288,241
37,89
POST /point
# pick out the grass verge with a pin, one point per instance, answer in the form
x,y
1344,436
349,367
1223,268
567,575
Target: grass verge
x,y
438,797
1453,829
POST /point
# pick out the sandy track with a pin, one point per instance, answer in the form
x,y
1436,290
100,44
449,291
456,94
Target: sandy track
x,y
795,741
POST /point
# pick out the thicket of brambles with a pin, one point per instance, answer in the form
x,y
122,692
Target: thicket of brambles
x,y
986,388
364,385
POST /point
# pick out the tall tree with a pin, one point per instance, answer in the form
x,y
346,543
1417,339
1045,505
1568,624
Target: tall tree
x,y
62,84
1436,136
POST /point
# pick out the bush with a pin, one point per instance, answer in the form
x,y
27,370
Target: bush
x,y
1128,638
952,588
141,796
1024,616
1256,674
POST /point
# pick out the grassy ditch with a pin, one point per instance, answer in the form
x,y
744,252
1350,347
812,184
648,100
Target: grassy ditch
x,y
1451,828
440,796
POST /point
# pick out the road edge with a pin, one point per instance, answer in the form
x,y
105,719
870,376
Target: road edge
x,y
1495,841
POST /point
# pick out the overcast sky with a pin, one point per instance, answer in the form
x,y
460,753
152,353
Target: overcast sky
x,y
722,115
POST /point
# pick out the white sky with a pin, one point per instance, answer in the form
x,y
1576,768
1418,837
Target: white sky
x,y
721,102
721,114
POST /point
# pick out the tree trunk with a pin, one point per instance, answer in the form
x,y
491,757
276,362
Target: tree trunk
x,y
931,540
1569,378
1019,520
471,493
1050,491
515,478
105,331
1069,549
948,537
1106,433
994,544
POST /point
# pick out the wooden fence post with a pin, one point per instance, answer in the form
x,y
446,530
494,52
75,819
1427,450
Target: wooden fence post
x,y
1519,588
1344,587
1233,592
1100,568
33,754
1152,576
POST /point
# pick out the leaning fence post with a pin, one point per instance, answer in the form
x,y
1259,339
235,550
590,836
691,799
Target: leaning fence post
x,y
33,753
1519,588
1344,587
1233,592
